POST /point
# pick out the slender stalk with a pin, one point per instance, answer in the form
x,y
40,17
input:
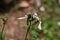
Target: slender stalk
x,y
27,31
2,31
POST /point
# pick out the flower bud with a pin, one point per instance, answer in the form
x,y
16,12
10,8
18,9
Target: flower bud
x,y
4,19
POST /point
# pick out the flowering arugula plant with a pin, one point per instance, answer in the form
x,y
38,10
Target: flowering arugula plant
x,y
35,16
30,19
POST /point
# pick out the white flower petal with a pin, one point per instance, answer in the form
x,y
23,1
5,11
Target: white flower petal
x,y
37,18
39,26
22,18
35,15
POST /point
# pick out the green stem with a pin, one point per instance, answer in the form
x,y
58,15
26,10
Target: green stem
x,y
27,31
2,31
